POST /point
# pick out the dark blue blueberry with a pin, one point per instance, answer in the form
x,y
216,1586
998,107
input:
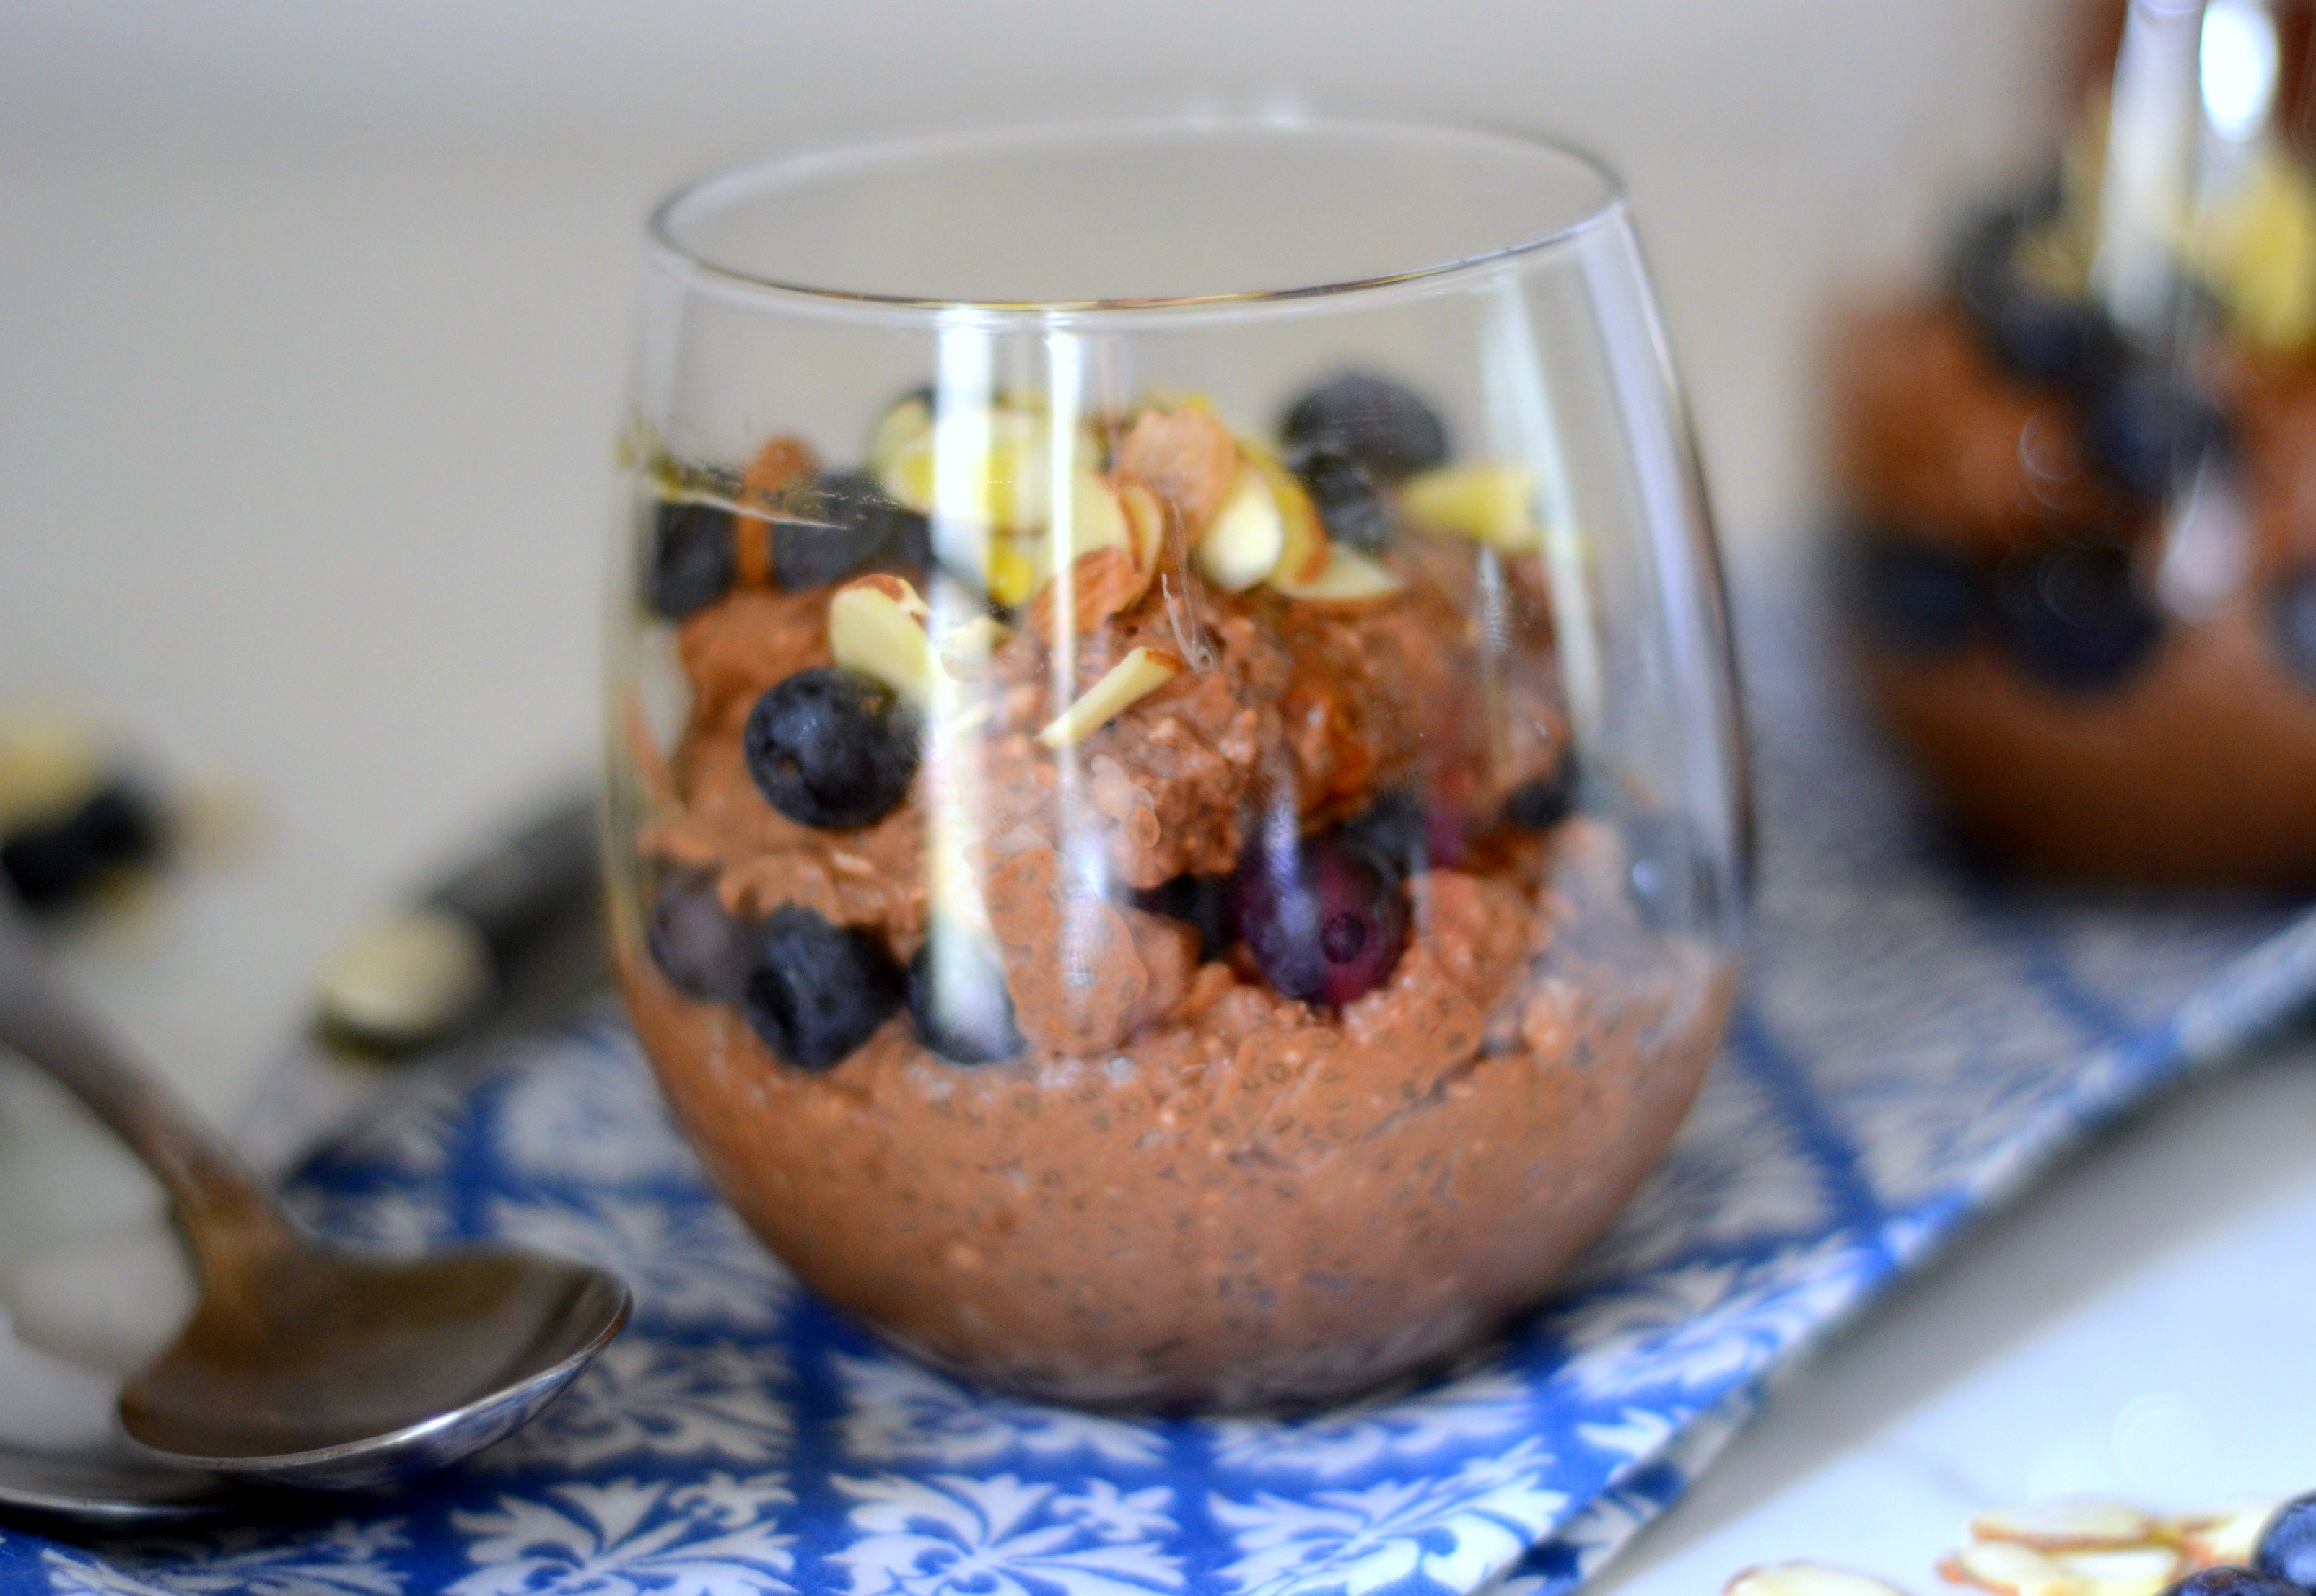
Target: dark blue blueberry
x,y
1349,500
1324,917
840,524
1412,828
1199,901
1917,598
2146,429
1669,875
1543,803
2035,335
2288,1547
2228,1579
817,991
53,861
957,1000
705,951
2072,614
1373,419
2294,613
832,749
693,560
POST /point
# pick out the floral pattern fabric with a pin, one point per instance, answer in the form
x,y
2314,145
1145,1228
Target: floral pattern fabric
x,y
1913,1045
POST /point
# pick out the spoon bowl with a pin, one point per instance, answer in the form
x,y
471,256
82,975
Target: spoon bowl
x,y
327,1370
301,1365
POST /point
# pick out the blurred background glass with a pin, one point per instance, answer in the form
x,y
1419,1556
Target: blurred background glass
x,y
2072,460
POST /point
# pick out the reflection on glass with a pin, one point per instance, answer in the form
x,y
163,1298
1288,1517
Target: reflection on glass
x,y
2078,479
1174,768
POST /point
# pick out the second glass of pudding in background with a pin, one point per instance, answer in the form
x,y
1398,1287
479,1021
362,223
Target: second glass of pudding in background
x,y
2078,478
1175,782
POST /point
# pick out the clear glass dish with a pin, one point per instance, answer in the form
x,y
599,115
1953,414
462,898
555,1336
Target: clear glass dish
x,y
1175,781
2076,473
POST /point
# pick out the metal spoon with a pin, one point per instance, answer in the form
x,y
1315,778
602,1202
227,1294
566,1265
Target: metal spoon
x,y
302,1366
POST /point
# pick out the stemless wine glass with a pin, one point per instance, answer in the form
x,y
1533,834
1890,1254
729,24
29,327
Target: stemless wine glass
x,y
1175,784
2078,476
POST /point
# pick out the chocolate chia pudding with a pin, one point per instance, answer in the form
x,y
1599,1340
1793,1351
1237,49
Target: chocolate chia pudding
x,y
1180,969
2080,557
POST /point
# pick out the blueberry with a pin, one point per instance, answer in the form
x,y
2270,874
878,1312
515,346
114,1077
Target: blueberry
x,y
1349,498
1326,918
692,560
1411,828
2072,614
1199,901
704,950
2035,335
1669,874
832,749
1396,827
2228,1579
2294,613
817,991
840,524
957,1000
1917,598
1373,419
53,861
2288,1547
1543,803
2147,429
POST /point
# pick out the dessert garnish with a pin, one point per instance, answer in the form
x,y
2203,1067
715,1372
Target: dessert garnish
x,y
2097,1548
1376,422
818,991
832,749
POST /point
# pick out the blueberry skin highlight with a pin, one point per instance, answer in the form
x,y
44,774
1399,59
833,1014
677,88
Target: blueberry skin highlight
x,y
832,749
1327,925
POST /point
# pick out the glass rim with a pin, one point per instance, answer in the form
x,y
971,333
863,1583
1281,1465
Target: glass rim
x,y
670,252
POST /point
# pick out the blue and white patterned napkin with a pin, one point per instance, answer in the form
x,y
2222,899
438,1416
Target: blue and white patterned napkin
x,y
1913,1045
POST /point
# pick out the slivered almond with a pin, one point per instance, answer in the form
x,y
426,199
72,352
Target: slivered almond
x,y
1246,539
1493,504
903,424
2055,1526
2230,1535
1102,583
2122,1571
877,627
1304,555
969,643
1141,673
1145,522
1350,578
1807,1579
2008,1568
1186,457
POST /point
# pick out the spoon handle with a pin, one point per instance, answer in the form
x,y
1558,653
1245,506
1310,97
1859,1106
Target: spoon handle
x,y
225,1212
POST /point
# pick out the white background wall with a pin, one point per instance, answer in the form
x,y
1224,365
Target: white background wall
x,y
312,312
